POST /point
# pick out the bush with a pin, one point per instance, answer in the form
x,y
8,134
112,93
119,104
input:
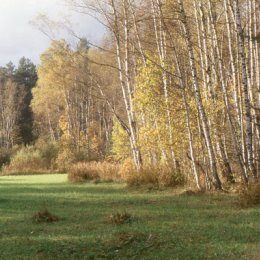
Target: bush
x,y
87,171
251,196
49,153
144,177
108,171
127,169
160,176
26,160
82,172
66,156
32,159
64,160
5,157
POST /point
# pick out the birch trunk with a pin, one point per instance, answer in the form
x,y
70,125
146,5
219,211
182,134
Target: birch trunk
x,y
125,80
160,33
225,94
247,105
203,117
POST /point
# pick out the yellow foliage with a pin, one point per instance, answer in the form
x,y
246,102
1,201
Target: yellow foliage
x,y
127,169
120,141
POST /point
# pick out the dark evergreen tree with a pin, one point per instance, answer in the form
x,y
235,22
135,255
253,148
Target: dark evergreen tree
x,y
26,75
8,70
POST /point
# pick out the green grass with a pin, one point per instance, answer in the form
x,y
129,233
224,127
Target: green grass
x,y
164,225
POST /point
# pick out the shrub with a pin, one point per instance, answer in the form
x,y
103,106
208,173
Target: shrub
x,y
66,156
156,176
5,157
49,153
169,178
82,172
33,159
64,160
147,176
251,196
88,171
108,171
127,169
26,160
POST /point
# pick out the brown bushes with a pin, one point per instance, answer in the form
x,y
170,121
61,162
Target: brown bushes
x,y
104,171
155,176
251,196
126,170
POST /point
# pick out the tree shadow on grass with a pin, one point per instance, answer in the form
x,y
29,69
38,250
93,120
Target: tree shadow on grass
x,y
191,228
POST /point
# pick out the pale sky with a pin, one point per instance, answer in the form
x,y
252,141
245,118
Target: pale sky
x,y
19,38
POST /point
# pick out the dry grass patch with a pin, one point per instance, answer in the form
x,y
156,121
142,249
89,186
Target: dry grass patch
x,y
192,192
161,176
251,196
96,171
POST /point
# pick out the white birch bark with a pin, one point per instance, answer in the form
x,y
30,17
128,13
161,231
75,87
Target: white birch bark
x,y
125,79
204,121
247,105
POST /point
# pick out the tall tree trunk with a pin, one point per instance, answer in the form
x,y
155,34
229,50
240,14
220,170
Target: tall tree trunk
x,y
125,80
203,117
247,105
160,33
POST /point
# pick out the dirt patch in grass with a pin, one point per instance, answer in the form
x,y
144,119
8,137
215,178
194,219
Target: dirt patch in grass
x,y
120,218
122,244
192,193
44,216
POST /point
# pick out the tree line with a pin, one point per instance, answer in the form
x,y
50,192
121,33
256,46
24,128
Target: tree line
x,y
174,83
16,120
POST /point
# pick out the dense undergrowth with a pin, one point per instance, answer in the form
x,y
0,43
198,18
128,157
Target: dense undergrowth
x,y
251,196
50,157
44,158
154,176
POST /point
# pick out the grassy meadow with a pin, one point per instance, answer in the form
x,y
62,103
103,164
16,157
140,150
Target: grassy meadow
x,y
161,224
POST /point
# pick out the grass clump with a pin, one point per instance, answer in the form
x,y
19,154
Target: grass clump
x,y
93,171
251,196
44,216
120,218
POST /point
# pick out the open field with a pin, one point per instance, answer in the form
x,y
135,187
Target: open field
x,y
164,225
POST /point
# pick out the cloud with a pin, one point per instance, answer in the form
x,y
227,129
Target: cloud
x,y
19,38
